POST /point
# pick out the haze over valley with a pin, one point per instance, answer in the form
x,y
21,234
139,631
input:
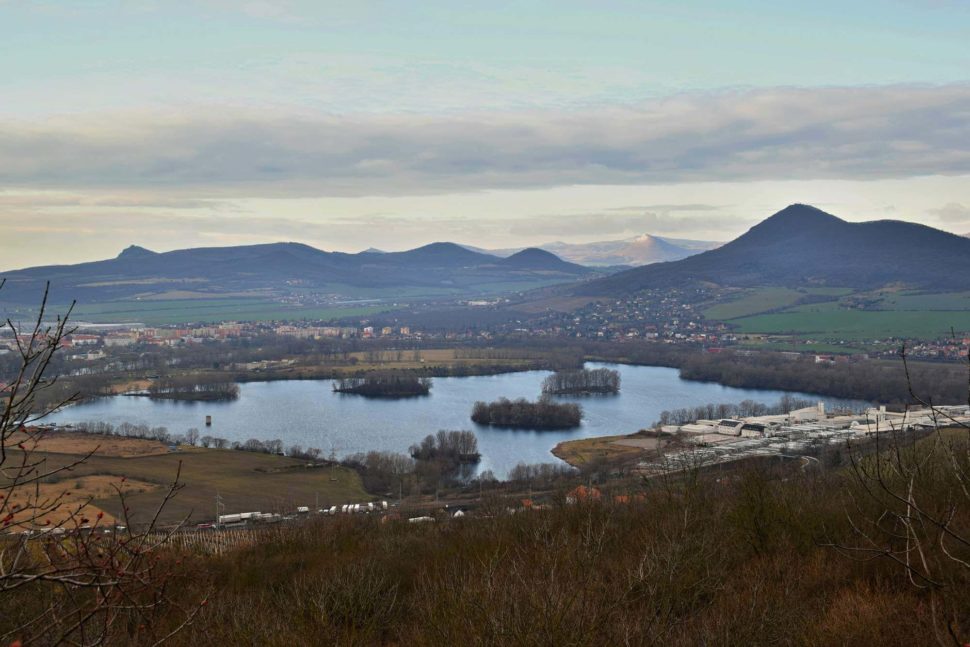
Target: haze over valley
x,y
437,323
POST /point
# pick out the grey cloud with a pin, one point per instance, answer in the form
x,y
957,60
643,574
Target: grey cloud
x,y
952,212
38,202
604,225
845,133
669,208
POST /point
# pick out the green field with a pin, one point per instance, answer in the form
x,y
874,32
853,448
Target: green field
x,y
917,301
802,347
208,310
845,315
828,292
753,302
858,324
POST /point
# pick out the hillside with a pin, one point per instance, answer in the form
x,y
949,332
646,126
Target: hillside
x,y
640,250
539,260
804,246
282,268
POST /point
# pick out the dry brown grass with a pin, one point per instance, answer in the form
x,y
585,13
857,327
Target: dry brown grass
x,y
738,559
76,495
246,481
66,442
608,449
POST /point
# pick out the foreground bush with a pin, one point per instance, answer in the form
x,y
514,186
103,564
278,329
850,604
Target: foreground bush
x,y
737,558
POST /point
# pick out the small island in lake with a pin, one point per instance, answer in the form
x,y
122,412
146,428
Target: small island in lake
x,y
384,385
192,389
522,414
581,382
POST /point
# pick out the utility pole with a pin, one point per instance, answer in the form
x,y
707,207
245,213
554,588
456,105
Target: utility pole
x,y
219,505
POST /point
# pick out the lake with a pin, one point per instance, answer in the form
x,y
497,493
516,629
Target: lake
x,y
308,413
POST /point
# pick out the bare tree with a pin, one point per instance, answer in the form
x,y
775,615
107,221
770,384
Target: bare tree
x,y
911,506
65,577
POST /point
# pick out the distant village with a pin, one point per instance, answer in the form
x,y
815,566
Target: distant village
x,y
668,317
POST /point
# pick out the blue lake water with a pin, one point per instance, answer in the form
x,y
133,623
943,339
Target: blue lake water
x,y
308,413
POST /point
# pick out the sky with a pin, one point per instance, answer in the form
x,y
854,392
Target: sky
x,y
394,124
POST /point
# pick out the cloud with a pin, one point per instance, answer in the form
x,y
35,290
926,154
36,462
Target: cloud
x,y
844,133
952,213
605,225
668,208
36,202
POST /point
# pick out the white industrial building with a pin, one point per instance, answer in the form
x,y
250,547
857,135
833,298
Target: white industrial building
x,y
795,433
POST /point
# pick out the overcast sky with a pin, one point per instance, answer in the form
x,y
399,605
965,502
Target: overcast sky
x,y
348,125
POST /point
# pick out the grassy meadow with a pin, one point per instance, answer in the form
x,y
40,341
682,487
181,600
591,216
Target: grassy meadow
x,y
166,311
837,313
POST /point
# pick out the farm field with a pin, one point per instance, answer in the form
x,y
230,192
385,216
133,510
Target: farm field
x,y
917,301
858,324
246,481
802,347
753,302
161,312
846,316
77,496
66,442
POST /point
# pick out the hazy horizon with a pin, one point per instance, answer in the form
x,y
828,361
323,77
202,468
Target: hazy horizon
x,y
176,125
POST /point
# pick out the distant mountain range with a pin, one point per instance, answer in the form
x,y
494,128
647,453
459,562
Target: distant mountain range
x,y
272,269
640,250
804,246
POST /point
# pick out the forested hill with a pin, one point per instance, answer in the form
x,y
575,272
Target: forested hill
x,y
801,245
140,273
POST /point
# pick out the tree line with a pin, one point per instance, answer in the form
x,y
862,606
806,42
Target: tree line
x,y
440,459
193,387
879,381
523,414
743,409
458,446
385,384
540,474
598,380
195,438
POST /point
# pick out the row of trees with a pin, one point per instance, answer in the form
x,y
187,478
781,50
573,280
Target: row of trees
x,y
443,458
389,384
193,388
598,380
540,474
275,447
193,437
523,414
744,409
880,381
456,446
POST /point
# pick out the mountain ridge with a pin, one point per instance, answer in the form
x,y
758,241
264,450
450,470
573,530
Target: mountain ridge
x,y
138,272
638,250
803,245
